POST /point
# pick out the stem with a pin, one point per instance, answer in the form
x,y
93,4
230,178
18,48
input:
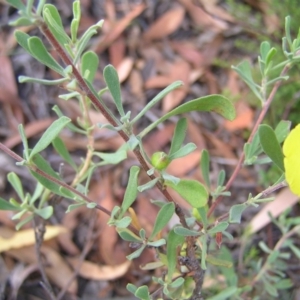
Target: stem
x,y
278,245
107,114
34,168
257,123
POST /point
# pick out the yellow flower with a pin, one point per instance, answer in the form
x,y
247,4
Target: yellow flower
x,y
291,151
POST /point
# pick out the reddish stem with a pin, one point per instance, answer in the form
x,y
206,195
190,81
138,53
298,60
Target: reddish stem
x,y
257,123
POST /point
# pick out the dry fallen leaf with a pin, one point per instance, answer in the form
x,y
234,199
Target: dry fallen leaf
x,y
56,267
114,30
166,24
93,271
10,239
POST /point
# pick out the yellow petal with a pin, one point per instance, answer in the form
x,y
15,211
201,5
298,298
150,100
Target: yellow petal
x,y
291,151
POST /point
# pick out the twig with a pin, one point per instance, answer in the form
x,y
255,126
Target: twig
x,y
85,251
257,123
39,232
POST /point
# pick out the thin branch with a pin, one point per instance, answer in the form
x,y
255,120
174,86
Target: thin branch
x,y
39,232
257,123
87,247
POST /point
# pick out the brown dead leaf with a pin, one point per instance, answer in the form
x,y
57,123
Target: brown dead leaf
x,y
161,137
93,271
189,52
70,221
284,200
216,10
10,239
183,165
124,68
117,51
166,24
56,267
113,31
203,19
31,129
107,243
179,70
244,117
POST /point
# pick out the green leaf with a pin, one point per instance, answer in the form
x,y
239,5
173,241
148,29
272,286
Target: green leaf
x,y
22,39
177,283
225,294
53,20
59,81
236,211
131,288
76,20
218,261
186,232
112,81
215,103
39,52
75,206
148,185
220,227
204,165
221,178
270,145
203,245
143,293
24,141
179,135
185,150
61,149
45,212
89,65
15,181
17,4
163,217
127,235
42,164
264,50
131,190
244,70
22,21
113,158
157,243
123,223
5,205
136,253
282,130
192,191
157,98
49,135
174,240
24,221
91,205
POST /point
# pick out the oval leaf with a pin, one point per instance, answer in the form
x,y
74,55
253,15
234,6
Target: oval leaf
x,y
174,240
131,190
49,135
89,62
5,205
235,212
215,103
163,217
53,20
112,80
40,52
270,145
185,232
179,136
192,191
